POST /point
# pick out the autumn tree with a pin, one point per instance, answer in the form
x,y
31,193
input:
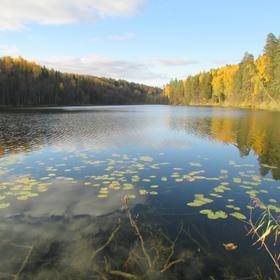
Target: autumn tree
x,y
251,82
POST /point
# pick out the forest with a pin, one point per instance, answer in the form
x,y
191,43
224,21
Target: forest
x,y
251,83
24,83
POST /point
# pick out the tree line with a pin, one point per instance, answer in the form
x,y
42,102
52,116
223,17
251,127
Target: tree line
x,y
24,83
252,82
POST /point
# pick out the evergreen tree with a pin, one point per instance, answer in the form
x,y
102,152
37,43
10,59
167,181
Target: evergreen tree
x,y
251,82
24,83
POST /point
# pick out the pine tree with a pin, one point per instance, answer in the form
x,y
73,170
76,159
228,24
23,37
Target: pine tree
x,y
276,73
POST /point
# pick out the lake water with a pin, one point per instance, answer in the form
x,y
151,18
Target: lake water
x,y
64,173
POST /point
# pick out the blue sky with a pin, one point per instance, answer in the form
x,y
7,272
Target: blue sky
x,y
147,41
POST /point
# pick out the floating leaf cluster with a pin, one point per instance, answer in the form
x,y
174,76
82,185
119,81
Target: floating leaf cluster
x,y
136,175
212,215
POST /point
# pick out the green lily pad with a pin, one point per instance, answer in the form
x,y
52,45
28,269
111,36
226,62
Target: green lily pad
x,y
214,215
238,215
4,205
199,201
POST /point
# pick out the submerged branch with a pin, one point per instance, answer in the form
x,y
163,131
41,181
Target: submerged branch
x,y
138,233
123,274
24,263
171,264
110,239
168,264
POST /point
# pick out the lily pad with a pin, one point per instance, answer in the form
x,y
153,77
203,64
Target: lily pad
x,y
146,158
214,215
238,215
199,201
4,205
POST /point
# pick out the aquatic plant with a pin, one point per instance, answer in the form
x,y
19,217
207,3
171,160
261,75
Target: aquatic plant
x,y
4,205
23,264
151,263
200,200
238,215
266,231
214,215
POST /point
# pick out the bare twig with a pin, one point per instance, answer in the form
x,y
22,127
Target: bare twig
x,y
173,244
123,274
152,263
24,263
138,233
171,264
110,239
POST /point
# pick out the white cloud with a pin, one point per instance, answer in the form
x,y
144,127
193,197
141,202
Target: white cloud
x,y
172,61
8,50
16,14
105,67
147,71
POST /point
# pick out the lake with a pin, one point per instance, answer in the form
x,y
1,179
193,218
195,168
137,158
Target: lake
x,y
136,192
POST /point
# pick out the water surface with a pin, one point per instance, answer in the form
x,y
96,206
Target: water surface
x,y
65,171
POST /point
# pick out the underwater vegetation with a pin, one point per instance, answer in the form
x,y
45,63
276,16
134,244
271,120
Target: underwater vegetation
x,y
187,213
123,245
138,176
265,230
144,177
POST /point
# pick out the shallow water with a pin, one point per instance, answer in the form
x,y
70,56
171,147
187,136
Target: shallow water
x,y
65,171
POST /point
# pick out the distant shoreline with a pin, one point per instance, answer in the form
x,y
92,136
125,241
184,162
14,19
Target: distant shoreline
x,y
265,107
262,107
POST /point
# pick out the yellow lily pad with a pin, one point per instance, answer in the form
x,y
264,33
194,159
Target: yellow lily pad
x,y
199,201
238,215
4,205
146,158
230,246
214,215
